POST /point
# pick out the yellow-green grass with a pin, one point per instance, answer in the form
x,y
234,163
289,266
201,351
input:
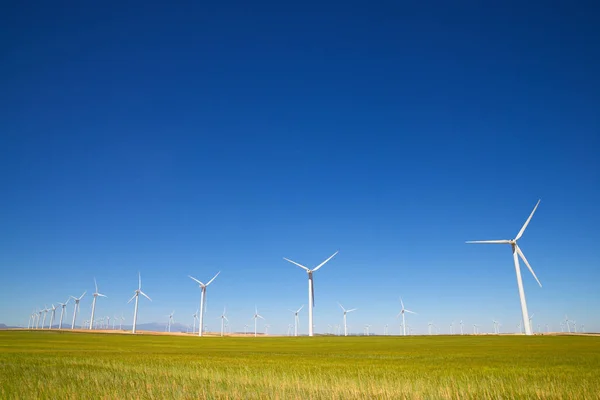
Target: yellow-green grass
x,y
64,365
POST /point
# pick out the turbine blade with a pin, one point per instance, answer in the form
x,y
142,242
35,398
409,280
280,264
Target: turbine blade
x,y
225,318
527,263
101,295
295,263
527,222
324,262
200,283
260,316
352,309
81,297
145,295
96,284
209,282
401,303
300,308
132,297
408,311
140,280
489,241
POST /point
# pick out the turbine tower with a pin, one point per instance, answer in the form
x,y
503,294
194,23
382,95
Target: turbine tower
x,y
516,254
62,312
202,300
96,294
402,312
346,312
45,311
311,289
171,320
296,320
136,296
195,315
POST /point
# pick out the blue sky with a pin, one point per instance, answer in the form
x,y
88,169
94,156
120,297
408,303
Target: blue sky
x,y
224,137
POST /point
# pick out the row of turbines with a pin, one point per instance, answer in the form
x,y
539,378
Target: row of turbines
x,y
516,251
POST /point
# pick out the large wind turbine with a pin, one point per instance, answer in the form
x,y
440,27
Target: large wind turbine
x,y
296,320
202,300
516,254
346,312
171,320
256,316
96,294
311,289
136,295
62,312
45,311
402,312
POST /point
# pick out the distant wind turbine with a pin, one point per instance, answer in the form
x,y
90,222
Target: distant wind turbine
x,y
346,312
223,319
171,320
52,315
96,294
195,315
516,254
136,296
402,312
296,320
311,289
256,316
76,307
45,310
202,300
63,307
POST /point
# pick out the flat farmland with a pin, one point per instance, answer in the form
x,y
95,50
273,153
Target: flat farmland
x,y
67,365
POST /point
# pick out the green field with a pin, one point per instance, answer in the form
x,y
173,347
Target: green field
x,y
65,365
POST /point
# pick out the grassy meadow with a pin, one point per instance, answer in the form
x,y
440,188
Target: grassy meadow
x,y
65,365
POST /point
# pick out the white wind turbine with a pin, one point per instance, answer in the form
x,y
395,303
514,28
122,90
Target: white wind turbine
x,y
136,296
195,315
256,316
96,294
516,254
202,300
311,289
63,307
346,312
402,312
121,322
39,318
461,327
45,311
296,320
531,318
171,320
52,315
223,319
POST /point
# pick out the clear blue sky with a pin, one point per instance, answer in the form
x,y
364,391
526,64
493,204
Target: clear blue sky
x,y
178,140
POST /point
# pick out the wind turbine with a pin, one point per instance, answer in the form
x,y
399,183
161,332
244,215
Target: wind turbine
x,y
245,329
136,295
256,316
195,315
346,312
52,315
75,307
402,312
530,318
296,320
516,254
461,327
45,311
311,289
121,322
171,320
495,326
202,300
96,294
267,326
568,325
367,329
223,319
62,312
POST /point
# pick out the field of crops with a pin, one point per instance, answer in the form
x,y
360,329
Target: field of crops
x,y
65,365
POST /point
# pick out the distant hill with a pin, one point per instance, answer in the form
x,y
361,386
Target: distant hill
x,y
4,326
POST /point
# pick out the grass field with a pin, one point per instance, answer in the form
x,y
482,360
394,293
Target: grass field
x,y
68,365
